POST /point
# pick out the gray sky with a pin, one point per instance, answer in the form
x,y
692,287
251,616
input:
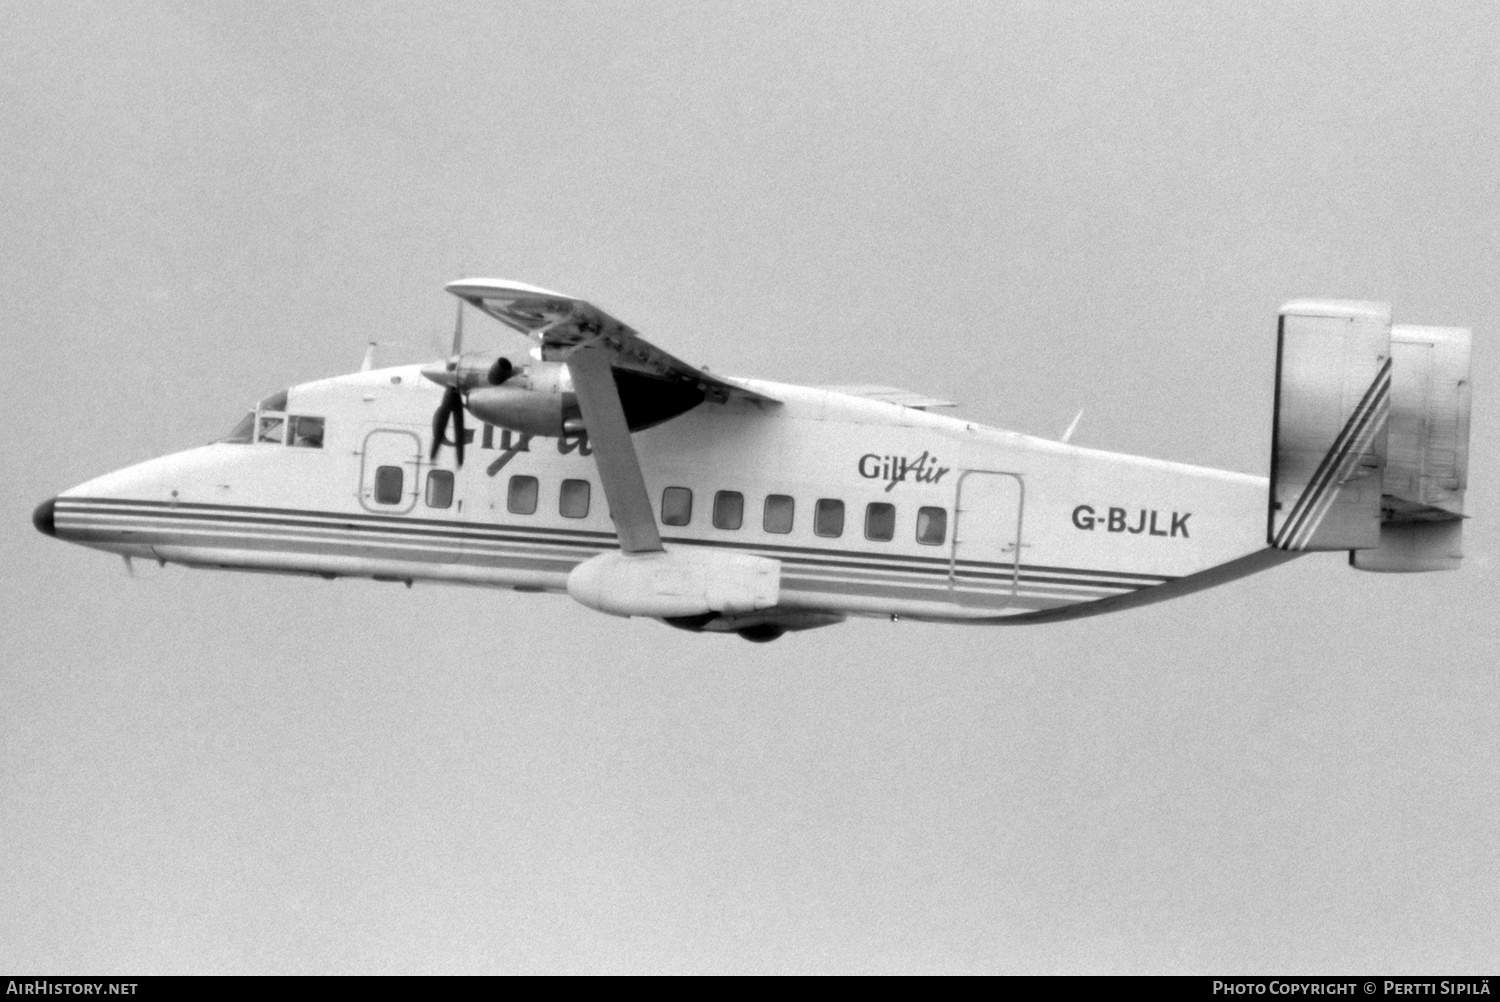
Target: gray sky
x,y
1029,208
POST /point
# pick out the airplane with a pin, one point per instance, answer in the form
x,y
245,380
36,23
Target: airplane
x,y
734,505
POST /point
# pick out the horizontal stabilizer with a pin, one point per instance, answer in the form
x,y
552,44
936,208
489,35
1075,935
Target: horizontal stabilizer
x,y
1414,546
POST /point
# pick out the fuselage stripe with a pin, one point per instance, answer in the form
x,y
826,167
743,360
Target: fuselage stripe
x,y
113,514
469,531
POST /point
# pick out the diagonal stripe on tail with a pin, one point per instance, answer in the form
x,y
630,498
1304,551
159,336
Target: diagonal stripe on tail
x,y
1363,424
1375,422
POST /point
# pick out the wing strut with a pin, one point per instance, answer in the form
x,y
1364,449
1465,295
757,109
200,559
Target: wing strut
x,y
614,452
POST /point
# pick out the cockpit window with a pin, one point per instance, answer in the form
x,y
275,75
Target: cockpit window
x,y
307,432
269,424
242,431
272,428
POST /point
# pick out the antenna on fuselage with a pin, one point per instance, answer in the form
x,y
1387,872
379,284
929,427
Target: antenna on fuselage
x,y
369,362
1072,426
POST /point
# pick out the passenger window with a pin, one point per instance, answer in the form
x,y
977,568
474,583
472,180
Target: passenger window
x,y
932,526
778,515
573,502
272,428
729,510
307,432
388,484
880,521
440,489
676,506
828,518
521,499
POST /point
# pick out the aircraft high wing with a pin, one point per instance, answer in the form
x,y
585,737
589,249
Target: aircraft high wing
x,y
561,323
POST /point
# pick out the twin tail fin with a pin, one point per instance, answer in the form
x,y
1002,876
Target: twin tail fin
x,y
1370,437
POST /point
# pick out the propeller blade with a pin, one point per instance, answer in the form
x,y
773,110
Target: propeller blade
x,y
451,407
458,428
440,421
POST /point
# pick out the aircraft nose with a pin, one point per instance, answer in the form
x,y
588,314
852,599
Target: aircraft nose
x,y
44,518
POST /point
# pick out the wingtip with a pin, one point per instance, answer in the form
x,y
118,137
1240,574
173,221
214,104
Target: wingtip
x,y
466,288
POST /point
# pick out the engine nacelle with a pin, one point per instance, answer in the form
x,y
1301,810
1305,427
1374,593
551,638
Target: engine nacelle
x,y
534,399
519,408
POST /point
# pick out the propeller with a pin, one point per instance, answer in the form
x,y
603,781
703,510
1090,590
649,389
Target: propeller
x,y
452,405
458,378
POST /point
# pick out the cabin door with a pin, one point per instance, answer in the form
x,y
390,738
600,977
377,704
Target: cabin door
x,y
984,566
389,471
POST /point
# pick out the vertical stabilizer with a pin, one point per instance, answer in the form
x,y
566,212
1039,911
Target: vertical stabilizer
x,y
1333,383
1427,453
1427,462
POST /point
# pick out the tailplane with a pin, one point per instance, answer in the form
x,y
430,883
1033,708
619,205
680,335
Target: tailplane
x,y
1370,439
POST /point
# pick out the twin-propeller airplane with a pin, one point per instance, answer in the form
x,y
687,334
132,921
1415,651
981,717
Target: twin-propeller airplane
x,y
644,486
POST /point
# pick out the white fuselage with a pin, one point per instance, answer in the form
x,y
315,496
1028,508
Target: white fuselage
x,y
1012,525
